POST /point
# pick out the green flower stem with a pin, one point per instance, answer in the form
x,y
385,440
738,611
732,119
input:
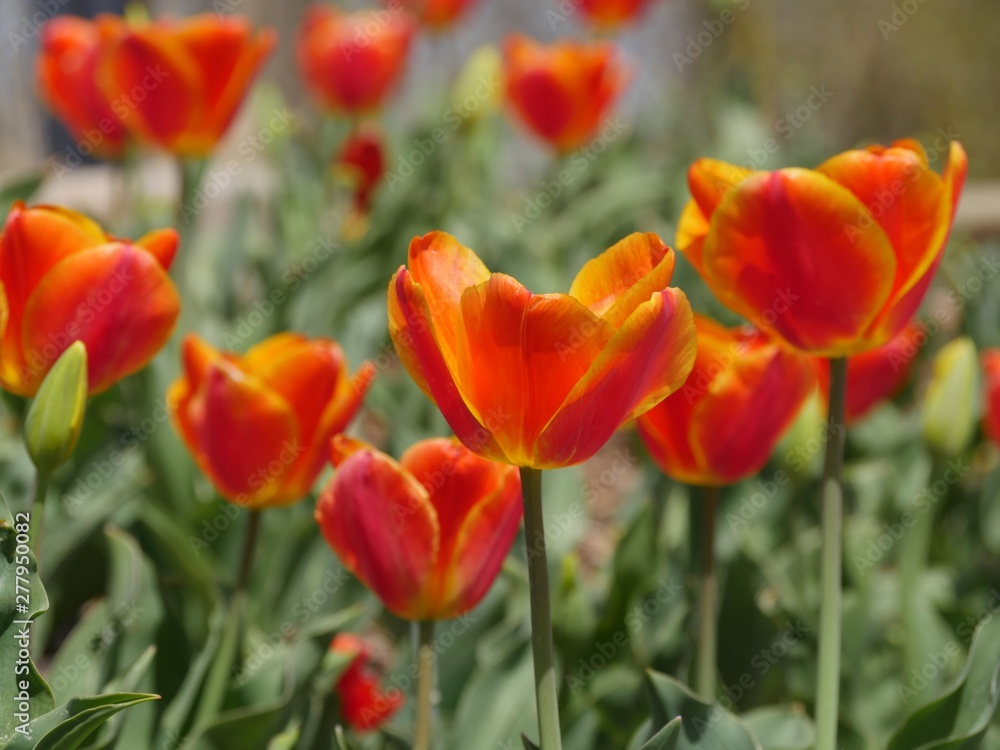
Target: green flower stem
x,y
425,684
38,513
546,692
828,687
707,635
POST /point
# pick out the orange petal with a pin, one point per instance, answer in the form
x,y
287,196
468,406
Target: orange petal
x,y
343,447
710,180
780,253
252,470
692,228
116,298
519,356
648,358
162,243
227,53
418,344
380,522
991,420
621,278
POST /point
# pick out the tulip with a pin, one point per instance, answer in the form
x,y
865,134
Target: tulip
x,y
991,371
609,14
351,62
361,161
835,260
427,534
950,407
363,704
258,425
541,381
64,280
563,91
876,375
436,14
180,83
742,394
69,49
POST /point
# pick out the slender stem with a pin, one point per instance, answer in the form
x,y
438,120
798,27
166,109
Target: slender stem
x,y
38,515
425,684
707,636
249,547
828,687
546,692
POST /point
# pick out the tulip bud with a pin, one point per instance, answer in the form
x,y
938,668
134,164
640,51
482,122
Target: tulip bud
x,y
951,404
55,417
479,89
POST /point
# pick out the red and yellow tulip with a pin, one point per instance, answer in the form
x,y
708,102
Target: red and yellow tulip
x,y
179,83
722,425
834,260
363,703
258,425
541,380
351,62
562,91
609,14
64,280
428,534
991,368
876,375
66,70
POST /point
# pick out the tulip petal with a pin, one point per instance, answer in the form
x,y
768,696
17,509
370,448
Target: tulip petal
x,y
418,345
230,403
710,180
692,228
747,409
160,84
991,383
537,348
116,298
227,53
621,278
649,357
781,243
162,243
382,525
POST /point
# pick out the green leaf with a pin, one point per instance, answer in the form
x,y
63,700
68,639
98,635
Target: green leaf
x,y
20,190
706,726
528,744
667,738
21,586
55,418
959,718
71,724
780,728
341,739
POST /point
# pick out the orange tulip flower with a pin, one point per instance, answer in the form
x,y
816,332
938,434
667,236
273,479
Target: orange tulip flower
x,y
428,534
64,280
835,260
876,375
363,704
69,49
361,161
991,366
350,62
258,425
742,394
541,380
180,83
609,14
562,91
436,14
